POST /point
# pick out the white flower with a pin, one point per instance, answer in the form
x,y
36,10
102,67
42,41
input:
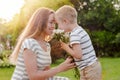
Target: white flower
x,y
66,34
58,31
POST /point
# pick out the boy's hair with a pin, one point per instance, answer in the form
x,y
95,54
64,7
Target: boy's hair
x,y
67,12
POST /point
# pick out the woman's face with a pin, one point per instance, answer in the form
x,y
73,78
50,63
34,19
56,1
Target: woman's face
x,y
50,24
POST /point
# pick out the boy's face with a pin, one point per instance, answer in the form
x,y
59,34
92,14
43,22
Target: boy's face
x,y
61,25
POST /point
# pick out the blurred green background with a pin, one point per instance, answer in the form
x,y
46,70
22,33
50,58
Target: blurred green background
x,y
100,18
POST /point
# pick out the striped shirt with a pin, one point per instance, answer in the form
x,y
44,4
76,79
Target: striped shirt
x,y
79,35
43,59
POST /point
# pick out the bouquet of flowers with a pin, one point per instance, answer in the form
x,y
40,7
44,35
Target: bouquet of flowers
x,y
59,35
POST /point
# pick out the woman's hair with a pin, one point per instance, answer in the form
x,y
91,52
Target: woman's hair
x,y
35,26
67,12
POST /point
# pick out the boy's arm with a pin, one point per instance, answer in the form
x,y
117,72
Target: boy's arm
x,y
74,51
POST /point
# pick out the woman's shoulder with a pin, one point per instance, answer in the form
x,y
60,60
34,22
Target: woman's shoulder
x,y
29,41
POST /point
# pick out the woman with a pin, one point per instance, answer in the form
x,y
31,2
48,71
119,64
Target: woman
x,y
32,52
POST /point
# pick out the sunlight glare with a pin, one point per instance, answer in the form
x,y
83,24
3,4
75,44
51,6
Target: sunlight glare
x,y
8,8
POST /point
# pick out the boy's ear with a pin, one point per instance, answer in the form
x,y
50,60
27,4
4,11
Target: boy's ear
x,y
65,21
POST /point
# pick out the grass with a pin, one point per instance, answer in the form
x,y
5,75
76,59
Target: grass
x,y
6,73
110,70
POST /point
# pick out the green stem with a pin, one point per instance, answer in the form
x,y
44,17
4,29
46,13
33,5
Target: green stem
x,y
76,71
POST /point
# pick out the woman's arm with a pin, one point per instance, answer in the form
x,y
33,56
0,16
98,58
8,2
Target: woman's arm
x,y
35,74
74,51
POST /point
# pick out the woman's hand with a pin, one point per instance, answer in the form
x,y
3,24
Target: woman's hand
x,y
66,65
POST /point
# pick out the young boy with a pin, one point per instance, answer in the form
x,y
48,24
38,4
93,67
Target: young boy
x,y
82,49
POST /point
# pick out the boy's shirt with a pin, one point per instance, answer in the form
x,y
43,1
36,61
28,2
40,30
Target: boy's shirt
x,y
79,35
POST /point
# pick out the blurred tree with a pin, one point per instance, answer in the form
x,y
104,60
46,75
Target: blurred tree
x,y
98,14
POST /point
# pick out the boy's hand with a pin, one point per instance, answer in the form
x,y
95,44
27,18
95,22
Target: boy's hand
x,y
64,45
